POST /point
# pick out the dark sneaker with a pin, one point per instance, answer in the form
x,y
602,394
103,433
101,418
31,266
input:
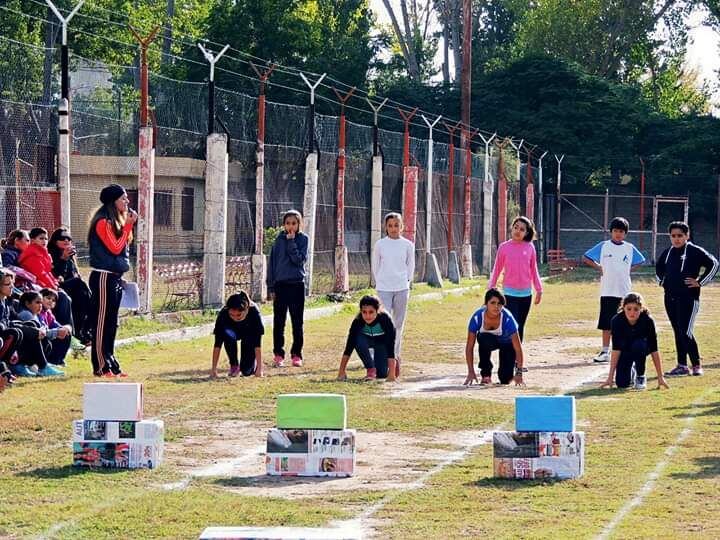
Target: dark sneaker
x,y
371,374
697,371
678,371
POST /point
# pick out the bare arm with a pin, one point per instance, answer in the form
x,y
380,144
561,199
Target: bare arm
x,y
614,357
469,347
519,359
215,358
258,362
342,375
588,261
657,362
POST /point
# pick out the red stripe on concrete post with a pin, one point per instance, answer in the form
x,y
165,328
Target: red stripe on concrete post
x,y
409,202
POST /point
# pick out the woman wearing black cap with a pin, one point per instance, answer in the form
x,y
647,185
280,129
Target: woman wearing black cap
x,y
64,268
108,238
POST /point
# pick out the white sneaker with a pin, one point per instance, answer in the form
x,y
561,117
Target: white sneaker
x,y
640,383
602,357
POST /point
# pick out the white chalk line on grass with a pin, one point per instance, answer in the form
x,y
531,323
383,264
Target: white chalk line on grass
x,y
656,473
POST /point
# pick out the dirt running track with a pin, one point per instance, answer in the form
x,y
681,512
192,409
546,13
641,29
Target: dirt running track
x,y
231,453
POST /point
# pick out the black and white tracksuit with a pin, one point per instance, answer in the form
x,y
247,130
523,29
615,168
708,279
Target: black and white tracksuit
x,y
682,303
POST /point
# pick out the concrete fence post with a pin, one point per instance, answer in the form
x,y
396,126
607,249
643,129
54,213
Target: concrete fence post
x,y
146,218
215,233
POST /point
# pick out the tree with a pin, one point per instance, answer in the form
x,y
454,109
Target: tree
x,y
416,43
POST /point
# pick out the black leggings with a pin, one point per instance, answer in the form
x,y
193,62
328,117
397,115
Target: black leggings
x,y
378,358
79,293
106,290
247,352
288,297
682,310
519,306
636,354
487,343
24,340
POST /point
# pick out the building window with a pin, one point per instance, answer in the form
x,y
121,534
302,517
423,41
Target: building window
x,y
163,208
187,209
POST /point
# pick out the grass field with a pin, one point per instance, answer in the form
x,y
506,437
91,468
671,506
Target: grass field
x,y
652,469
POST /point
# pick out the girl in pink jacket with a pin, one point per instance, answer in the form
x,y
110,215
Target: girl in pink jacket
x,y
517,260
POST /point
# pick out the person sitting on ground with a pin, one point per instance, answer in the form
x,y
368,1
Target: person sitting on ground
x,y
64,268
63,342
372,336
22,342
494,327
633,338
34,307
239,320
36,259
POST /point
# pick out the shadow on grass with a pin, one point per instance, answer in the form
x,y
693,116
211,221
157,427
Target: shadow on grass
x,y
512,484
709,468
67,471
709,409
263,480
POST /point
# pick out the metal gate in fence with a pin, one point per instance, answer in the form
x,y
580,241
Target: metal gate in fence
x,y
584,218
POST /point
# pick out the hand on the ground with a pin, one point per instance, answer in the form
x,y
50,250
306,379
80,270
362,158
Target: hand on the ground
x,y
519,380
213,373
342,376
538,297
662,383
607,384
692,282
471,376
259,373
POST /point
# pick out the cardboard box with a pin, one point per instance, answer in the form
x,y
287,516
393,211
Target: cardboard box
x,y
120,455
124,431
311,411
513,444
277,533
113,401
560,455
316,452
545,413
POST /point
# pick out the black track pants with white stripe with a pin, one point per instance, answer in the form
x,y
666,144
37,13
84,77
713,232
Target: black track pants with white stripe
x,y
106,289
682,311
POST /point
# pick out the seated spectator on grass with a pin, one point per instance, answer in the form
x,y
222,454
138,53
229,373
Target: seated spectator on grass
x,y
36,259
60,344
22,342
64,268
57,338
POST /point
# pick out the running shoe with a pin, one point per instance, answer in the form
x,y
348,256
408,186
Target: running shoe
x,y
50,371
278,360
121,375
678,371
485,380
697,371
21,370
234,371
640,383
296,361
602,357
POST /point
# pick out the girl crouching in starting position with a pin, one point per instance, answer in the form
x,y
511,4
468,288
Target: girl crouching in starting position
x,y
494,327
240,321
372,335
633,338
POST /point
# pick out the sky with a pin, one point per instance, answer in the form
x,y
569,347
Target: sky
x,y
703,49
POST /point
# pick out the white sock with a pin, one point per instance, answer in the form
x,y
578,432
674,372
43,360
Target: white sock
x,y
605,350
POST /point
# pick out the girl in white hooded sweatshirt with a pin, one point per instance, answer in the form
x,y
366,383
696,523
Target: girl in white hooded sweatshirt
x,y
393,267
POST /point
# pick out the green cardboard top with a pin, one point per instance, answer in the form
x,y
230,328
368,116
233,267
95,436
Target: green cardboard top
x,y
311,411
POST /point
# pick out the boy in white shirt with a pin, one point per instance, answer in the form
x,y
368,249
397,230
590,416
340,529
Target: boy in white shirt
x,y
614,259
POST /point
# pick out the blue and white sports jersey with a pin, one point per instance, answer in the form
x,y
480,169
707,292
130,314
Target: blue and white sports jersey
x,y
616,261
